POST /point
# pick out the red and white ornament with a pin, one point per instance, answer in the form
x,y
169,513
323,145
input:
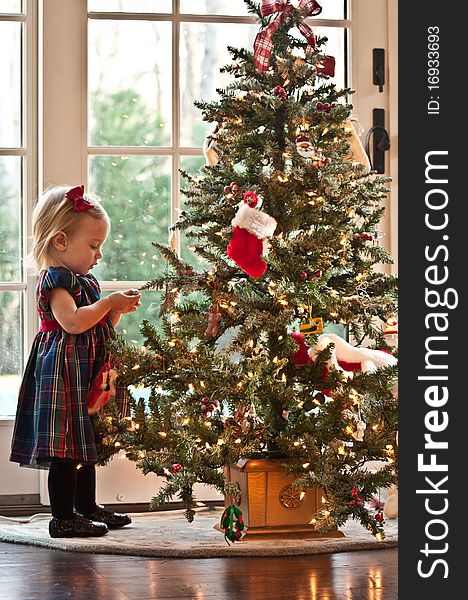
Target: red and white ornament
x,y
391,326
306,149
304,146
363,236
379,517
252,227
348,358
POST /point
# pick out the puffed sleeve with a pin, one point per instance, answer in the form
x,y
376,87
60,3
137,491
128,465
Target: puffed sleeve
x,y
57,277
94,283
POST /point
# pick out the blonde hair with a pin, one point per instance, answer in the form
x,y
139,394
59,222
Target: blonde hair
x,y
54,213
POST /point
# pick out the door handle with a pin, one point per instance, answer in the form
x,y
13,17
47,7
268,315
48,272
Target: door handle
x,y
378,67
381,139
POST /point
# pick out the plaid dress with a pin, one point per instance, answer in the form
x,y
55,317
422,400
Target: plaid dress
x,y
52,418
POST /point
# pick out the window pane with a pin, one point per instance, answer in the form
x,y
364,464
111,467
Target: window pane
x,y
130,83
10,6
129,326
192,165
10,84
10,218
135,190
154,6
331,9
203,51
11,351
213,7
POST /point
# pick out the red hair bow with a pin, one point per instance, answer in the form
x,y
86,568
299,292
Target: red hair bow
x,y
76,195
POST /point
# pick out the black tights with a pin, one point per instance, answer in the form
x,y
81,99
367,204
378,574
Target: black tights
x,y
71,487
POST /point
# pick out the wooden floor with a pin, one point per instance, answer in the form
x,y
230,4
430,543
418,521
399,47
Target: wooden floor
x,y
28,573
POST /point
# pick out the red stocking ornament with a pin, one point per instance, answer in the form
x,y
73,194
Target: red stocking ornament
x,y
251,228
300,357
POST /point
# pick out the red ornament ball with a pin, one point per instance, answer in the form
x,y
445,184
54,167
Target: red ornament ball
x,y
319,105
227,189
326,106
177,467
234,187
303,275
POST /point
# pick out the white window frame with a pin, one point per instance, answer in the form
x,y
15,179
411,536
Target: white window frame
x,y
29,168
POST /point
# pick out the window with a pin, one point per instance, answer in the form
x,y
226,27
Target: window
x,y
145,69
16,180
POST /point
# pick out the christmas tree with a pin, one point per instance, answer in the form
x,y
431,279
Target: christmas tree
x,y
283,220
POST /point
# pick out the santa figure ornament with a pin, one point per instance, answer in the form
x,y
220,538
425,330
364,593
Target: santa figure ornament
x,y
347,358
248,243
304,146
344,357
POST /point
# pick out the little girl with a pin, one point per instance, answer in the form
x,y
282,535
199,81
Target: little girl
x,y
53,428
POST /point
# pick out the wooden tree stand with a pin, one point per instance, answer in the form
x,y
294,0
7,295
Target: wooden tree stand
x,y
270,507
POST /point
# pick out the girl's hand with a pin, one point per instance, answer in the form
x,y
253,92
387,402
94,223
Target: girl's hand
x,y
124,302
76,320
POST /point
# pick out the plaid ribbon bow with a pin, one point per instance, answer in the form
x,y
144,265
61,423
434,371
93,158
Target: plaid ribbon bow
x,y
263,44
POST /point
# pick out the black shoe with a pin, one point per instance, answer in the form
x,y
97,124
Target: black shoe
x,y
79,526
112,519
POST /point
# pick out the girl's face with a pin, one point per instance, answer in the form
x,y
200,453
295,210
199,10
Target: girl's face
x,y
80,249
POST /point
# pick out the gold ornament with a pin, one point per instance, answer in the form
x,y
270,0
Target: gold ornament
x,y
315,325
